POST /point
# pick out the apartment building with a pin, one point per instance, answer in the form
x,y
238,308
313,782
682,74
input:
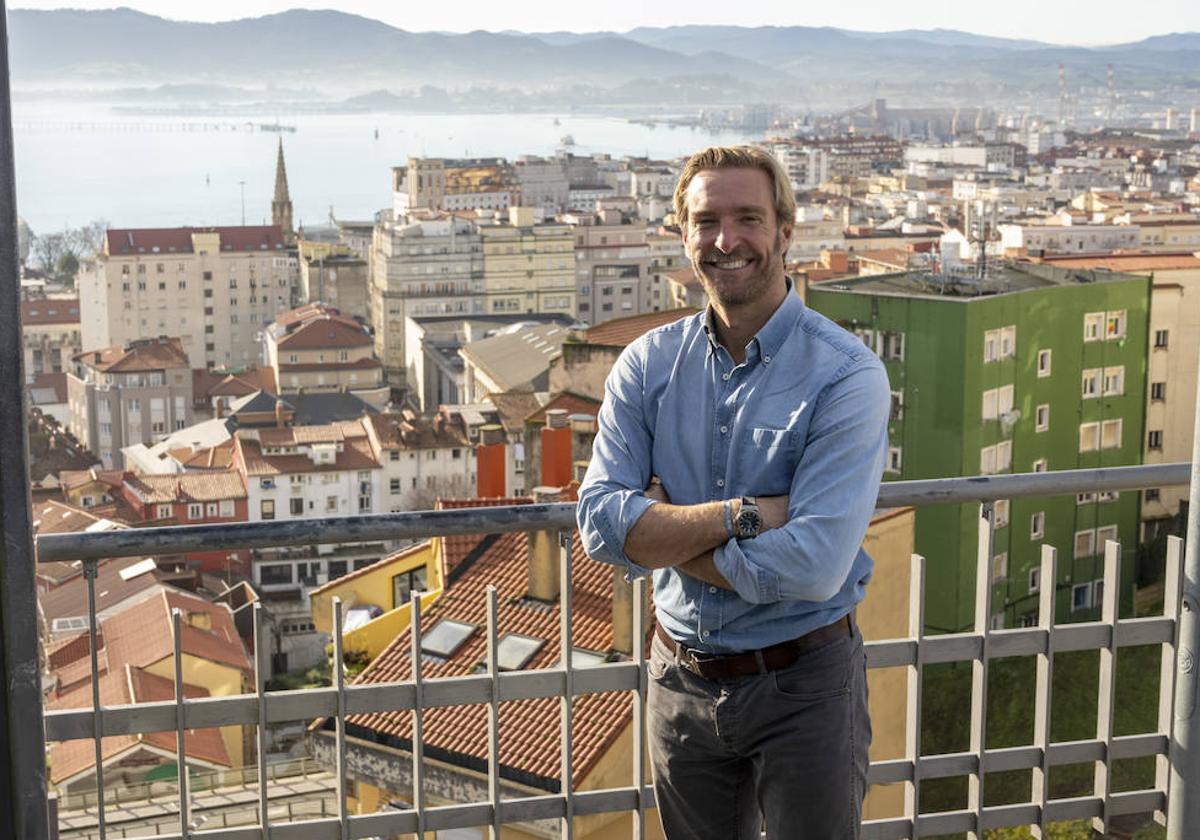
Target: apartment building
x,y
1041,236
421,264
213,288
129,394
50,335
527,266
1030,369
422,456
613,262
335,274
454,184
316,349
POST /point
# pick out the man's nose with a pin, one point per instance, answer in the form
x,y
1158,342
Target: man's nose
x,y
727,238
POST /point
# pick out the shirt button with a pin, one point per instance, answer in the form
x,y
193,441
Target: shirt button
x,y
704,634
712,589
720,482
767,359
724,429
725,376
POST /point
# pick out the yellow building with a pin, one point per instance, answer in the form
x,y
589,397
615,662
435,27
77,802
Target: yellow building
x,y
528,266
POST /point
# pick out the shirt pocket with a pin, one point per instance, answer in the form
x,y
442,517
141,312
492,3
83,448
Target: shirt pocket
x,y
770,460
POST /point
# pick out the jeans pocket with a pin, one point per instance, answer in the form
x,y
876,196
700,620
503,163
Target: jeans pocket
x,y
819,674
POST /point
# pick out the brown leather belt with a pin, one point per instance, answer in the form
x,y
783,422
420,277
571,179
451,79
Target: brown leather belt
x,y
713,666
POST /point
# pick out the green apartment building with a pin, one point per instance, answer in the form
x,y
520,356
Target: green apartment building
x,y
1030,368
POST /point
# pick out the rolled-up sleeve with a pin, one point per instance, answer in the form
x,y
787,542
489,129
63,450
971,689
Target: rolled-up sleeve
x,y
611,500
831,498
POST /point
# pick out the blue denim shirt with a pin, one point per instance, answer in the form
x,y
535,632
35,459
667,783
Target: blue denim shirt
x,y
804,415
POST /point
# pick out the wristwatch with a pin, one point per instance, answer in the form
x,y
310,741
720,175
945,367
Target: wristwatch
x,y
748,522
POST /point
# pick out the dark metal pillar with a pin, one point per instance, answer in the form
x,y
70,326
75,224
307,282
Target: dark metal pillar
x,y
23,806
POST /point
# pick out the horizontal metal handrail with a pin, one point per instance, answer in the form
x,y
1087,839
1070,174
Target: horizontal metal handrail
x,y
430,523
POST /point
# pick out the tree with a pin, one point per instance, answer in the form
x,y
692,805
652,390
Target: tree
x,y
59,254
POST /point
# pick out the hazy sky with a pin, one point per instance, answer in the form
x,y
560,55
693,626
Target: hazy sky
x,y
1060,21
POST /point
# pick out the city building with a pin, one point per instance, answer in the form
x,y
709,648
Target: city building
x,y
612,267
516,359
281,200
213,288
128,394
317,349
1039,236
527,266
50,335
423,457
1028,369
337,275
454,184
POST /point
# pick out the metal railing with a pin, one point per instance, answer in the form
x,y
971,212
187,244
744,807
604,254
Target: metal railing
x,y
980,646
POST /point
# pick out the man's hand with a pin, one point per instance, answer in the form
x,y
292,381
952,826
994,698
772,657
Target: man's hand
x,y
656,491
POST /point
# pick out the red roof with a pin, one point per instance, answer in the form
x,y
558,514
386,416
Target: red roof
x,y
142,634
326,331
621,332
143,354
571,403
527,741
120,241
50,311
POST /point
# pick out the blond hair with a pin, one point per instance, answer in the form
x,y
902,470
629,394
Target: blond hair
x,y
731,157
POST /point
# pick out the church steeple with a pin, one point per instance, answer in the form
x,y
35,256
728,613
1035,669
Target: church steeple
x,y
281,203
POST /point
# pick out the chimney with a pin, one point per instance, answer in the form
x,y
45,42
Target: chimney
x,y
491,463
556,449
583,434
219,408
622,612
543,565
279,424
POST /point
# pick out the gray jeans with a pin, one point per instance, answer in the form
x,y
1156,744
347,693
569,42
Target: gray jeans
x,y
788,747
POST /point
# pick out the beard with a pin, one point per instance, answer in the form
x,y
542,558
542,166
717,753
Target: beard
x,y
737,293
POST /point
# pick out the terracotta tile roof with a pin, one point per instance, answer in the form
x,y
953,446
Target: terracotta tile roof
x,y
73,479
358,364
188,486
356,454
1130,262
124,241
144,354
296,435
54,517
112,590
324,331
621,332
50,311
305,312
529,748
142,634
46,384
887,256
130,685
572,403
456,549
408,430
241,384
514,406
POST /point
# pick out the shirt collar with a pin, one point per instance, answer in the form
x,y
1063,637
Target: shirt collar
x,y
773,333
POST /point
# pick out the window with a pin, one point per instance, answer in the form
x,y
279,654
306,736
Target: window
x,y
1085,544
991,345
1110,434
195,511
996,458
987,460
1108,496
1089,437
1043,364
1000,512
1042,418
331,504
1091,383
1114,381
1092,322
268,509
1114,325
446,637
997,402
405,584
1105,535
1008,342
891,346
394,486
1040,465
296,506
1153,494
162,512
1154,439
275,573
516,650
1081,596
999,567
1037,525
364,504
1035,580
212,509
394,455
1158,391
895,459
227,508
1085,498
897,412
1160,339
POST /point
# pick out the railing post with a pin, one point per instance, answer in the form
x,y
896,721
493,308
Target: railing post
x,y
23,808
1183,796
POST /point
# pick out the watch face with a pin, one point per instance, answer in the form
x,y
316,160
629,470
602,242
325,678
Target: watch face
x,y
749,523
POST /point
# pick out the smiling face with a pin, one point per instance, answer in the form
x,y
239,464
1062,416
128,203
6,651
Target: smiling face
x,y
733,237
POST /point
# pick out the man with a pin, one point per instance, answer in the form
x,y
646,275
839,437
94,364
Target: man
x,y
738,457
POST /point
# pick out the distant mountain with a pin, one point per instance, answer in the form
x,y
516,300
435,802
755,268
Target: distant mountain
x,y
950,38
1172,41
318,48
